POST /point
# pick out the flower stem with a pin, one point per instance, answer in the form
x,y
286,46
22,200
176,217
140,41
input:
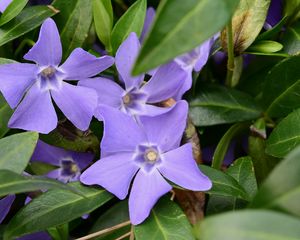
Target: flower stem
x,y
123,236
104,231
230,52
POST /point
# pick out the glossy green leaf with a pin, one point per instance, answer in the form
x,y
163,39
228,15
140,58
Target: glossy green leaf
x,y
5,113
178,28
291,39
281,92
223,184
103,19
12,183
166,222
265,46
292,10
29,19
74,21
12,10
281,190
286,136
131,21
55,207
218,105
16,151
249,225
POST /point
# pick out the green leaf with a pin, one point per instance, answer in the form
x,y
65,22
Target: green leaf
x,y
285,137
12,183
247,23
265,46
291,39
29,19
292,9
131,21
249,225
103,19
16,151
12,10
271,33
166,222
5,113
223,184
280,95
74,21
55,207
178,28
281,190
218,105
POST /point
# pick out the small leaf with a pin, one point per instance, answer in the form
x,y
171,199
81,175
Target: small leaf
x,y
55,207
291,39
281,92
5,113
12,10
16,151
249,225
285,137
265,46
29,19
281,190
131,21
223,184
271,33
178,28
103,19
166,222
218,105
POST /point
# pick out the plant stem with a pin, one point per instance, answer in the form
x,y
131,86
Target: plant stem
x,y
123,236
104,231
230,53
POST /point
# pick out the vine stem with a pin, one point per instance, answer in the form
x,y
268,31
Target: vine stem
x,y
230,52
123,236
104,231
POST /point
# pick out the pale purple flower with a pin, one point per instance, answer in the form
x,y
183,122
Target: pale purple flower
x,y
5,205
149,152
274,14
69,163
45,80
150,14
4,4
136,98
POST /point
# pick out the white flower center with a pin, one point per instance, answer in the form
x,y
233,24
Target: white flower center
x,y
126,99
151,156
48,72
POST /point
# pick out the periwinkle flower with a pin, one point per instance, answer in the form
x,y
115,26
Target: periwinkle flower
x,y
69,163
137,97
274,14
46,79
149,152
4,4
5,205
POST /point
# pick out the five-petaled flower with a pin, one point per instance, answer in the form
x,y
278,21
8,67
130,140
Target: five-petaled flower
x,y
45,79
138,98
149,150
69,163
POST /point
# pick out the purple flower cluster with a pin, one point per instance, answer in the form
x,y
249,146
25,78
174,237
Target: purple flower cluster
x,y
140,147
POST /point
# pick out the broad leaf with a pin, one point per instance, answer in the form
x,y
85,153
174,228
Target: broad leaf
x,y
29,19
249,225
74,21
55,207
16,151
131,21
5,113
280,94
12,10
281,190
166,222
178,28
218,105
286,136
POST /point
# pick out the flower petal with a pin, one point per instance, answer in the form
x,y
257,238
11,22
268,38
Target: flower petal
x,y
47,50
109,92
77,103
54,174
5,204
179,166
81,64
114,173
4,4
186,85
150,14
35,112
15,80
152,110
125,59
165,82
167,129
147,188
35,236
121,132
203,51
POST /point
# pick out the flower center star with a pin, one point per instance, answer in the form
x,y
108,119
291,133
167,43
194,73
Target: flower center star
x,y
151,156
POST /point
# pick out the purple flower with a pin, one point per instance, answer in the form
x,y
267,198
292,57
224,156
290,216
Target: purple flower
x,y
4,4
45,79
69,163
5,205
137,97
150,14
274,14
148,152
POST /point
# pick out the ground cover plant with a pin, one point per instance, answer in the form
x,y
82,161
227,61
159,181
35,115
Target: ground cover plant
x,y
150,119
